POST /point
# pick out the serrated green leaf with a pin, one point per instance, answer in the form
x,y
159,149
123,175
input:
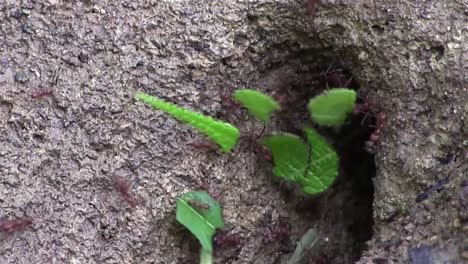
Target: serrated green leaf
x,y
323,169
306,243
257,103
224,134
290,155
200,220
332,107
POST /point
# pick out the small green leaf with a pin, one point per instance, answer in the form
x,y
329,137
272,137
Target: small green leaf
x,y
257,103
224,134
290,155
306,243
332,107
323,168
201,214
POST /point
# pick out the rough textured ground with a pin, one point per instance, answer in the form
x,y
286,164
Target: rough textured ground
x,y
59,154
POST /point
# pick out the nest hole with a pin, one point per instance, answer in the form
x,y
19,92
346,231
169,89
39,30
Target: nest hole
x,y
343,214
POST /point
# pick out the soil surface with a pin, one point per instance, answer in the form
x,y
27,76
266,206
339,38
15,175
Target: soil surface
x,y
70,126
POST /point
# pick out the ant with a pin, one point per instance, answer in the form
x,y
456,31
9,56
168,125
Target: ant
x,y
371,144
125,188
370,106
224,240
283,94
263,152
41,94
280,231
311,6
206,146
230,103
336,78
198,205
11,226
258,148
229,106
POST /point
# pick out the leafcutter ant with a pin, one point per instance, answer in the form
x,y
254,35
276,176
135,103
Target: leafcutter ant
x,y
283,94
198,205
371,144
336,78
11,226
124,187
230,103
206,146
229,106
279,232
311,6
41,94
263,152
223,240
258,148
370,107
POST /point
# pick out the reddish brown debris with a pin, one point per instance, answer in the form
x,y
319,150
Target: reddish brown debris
x,y
224,240
279,232
11,226
311,6
41,94
124,187
207,146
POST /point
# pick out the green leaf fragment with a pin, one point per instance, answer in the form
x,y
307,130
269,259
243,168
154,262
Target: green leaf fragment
x,y
306,243
206,257
202,215
332,107
257,103
224,134
290,155
324,164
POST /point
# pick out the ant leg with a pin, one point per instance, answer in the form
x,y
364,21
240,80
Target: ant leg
x,y
329,67
365,117
326,73
349,81
270,229
261,132
275,222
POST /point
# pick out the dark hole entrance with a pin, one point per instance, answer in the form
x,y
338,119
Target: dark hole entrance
x,y
343,214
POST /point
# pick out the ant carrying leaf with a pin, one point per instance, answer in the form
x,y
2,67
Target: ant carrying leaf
x,y
202,215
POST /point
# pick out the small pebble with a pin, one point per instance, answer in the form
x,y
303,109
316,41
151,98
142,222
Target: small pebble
x,y
26,28
83,58
17,14
21,77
